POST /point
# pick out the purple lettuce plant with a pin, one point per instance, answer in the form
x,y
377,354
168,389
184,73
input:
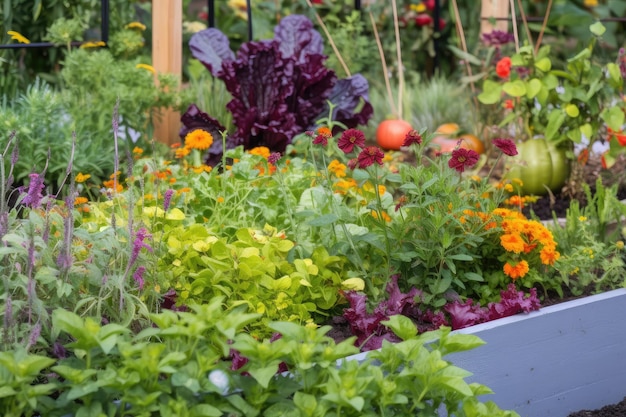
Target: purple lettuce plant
x,y
370,331
279,87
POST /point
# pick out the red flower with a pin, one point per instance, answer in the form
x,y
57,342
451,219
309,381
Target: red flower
x,y
370,155
412,137
430,4
317,1
462,158
508,104
503,67
507,146
351,138
423,20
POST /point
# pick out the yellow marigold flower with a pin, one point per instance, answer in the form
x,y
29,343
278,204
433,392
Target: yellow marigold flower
x,y
182,152
80,200
147,67
337,168
619,244
136,25
418,8
582,219
512,242
198,139
516,271
80,177
220,199
384,215
137,150
508,188
92,44
201,169
263,151
590,3
16,36
239,7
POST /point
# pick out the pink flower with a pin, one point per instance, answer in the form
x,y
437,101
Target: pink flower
x,y
462,158
507,146
370,155
351,138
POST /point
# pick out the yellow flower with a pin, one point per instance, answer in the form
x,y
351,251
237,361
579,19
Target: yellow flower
x,y
90,44
239,7
582,218
418,8
16,36
136,25
182,152
147,67
384,215
137,150
80,177
198,139
260,151
590,3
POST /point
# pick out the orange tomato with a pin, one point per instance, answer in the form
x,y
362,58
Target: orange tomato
x,y
448,135
391,133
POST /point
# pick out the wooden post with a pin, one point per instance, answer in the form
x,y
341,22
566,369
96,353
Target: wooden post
x,y
494,9
167,57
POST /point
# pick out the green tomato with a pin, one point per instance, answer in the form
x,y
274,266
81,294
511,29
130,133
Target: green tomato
x,y
539,164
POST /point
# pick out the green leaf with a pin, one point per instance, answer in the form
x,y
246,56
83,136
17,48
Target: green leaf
x,y
515,88
264,374
491,92
544,64
305,402
533,87
402,326
597,29
572,110
555,121
613,117
323,220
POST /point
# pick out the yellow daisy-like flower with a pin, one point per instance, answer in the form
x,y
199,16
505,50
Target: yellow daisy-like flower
x,y
16,36
147,67
136,25
418,8
80,177
137,150
182,152
92,45
198,139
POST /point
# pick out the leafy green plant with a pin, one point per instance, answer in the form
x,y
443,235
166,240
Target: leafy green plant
x,y
185,366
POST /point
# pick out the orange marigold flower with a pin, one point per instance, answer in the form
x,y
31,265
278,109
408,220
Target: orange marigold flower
x,y
337,168
512,242
263,151
184,190
182,152
80,200
137,150
110,184
518,270
549,256
198,139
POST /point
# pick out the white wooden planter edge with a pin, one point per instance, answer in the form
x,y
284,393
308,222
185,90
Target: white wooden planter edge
x,y
552,362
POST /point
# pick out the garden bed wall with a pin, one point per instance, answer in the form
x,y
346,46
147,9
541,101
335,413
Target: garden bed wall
x,y
560,359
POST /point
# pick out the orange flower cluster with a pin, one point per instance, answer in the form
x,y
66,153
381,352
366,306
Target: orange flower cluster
x,y
524,238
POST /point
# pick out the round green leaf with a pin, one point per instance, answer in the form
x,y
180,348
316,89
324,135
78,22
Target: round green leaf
x,y
533,87
572,110
544,64
515,88
597,29
491,92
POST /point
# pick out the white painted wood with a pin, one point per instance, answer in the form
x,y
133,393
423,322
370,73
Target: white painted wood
x,y
554,361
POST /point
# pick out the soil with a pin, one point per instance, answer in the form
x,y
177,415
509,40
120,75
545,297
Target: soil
x,y
613,410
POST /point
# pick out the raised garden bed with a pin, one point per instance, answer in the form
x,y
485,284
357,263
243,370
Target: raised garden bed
x,y
552,362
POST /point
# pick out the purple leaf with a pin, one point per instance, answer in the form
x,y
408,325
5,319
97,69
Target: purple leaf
x,y
347,95
297,39
212,48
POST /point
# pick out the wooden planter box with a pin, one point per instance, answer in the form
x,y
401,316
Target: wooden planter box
x,y
560,359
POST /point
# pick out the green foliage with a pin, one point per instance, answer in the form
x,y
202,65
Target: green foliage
x,y
182,367
591,242
256,269
20,67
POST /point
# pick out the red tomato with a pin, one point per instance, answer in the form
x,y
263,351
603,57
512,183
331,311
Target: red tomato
x,y
391,133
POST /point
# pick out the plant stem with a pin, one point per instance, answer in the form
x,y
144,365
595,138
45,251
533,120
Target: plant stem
x,y
396,28
543,26
383,62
